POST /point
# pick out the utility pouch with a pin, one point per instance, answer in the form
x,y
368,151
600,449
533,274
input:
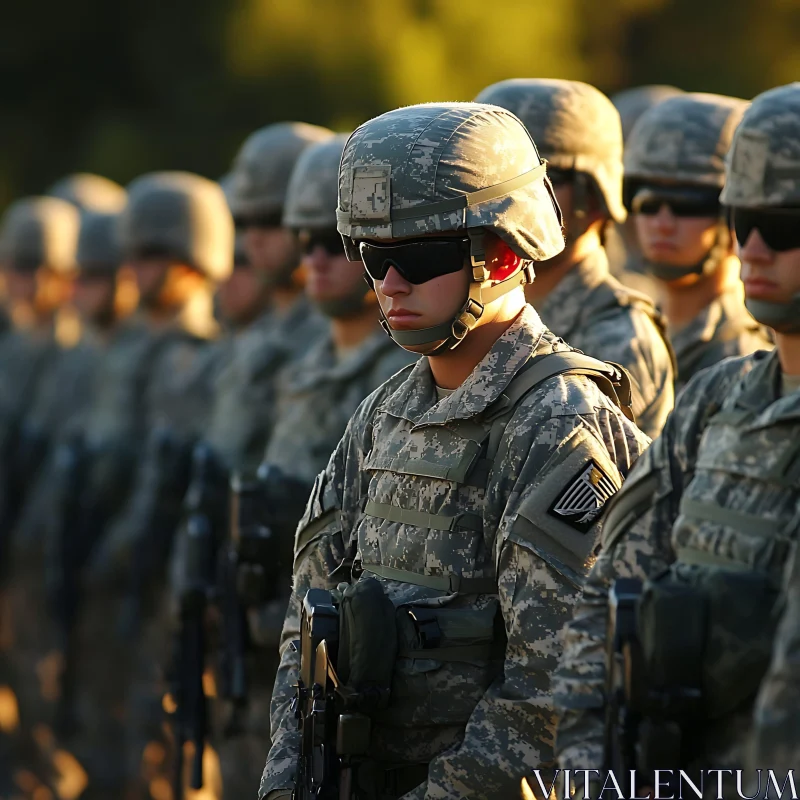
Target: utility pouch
x,y
367,645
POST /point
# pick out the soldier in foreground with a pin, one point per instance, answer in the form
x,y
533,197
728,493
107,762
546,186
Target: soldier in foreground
x,y
707,518
577,131
674,171
443,515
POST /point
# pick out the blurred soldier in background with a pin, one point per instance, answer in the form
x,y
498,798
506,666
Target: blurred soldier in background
x,y
316,397
707,520
177,236
577,132
63,396
38,241
624,255
674,171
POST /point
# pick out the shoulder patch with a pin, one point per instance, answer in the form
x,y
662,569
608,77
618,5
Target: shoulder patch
x,y
583,499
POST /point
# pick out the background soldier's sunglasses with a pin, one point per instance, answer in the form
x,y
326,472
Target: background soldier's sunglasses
x,y
780,229
261,221
418,261
329,239
682,201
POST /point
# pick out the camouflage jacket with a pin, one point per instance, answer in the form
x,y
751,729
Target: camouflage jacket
x,y
717,489
723,329
775,741
479,725
318,395
243,410
592,311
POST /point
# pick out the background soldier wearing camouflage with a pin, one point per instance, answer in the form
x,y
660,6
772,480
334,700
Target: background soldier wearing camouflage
x,y
150,403
38,238
577,131
62,398
449,250
317,395
711,508
674,170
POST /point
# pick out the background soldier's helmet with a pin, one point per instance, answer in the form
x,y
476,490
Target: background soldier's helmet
x,y
763,172
436,168
683,139
575,127
763,166
181,216
99,247
89,192
312,193
632,103
263,166
40,232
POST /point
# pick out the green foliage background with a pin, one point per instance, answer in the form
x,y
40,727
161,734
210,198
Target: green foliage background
x,y
124,86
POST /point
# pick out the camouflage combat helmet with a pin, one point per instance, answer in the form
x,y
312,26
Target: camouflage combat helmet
x,y
436,168
312,193
683,142
89,192
763,172
632,103
263,166
180,215
311,205
40,232
575,127
99,250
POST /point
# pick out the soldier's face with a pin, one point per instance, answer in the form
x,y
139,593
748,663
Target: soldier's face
x,y
679,241
270,250
329,274
409,306
768,274
241,296
94,296
151,275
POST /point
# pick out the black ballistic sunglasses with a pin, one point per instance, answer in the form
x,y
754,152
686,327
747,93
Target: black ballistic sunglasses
x,y
418,261
682,201
329,239
779,228
260,221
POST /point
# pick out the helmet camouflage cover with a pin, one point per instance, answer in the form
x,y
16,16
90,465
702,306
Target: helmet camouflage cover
x,y
684,139
40,232
434,168
574,125
264,164
632,103
99,250
181,215
764,160
90,192
312,194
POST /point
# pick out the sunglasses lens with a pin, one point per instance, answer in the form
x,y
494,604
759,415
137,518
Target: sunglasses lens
x,y
417,261
329,240
681,201
780,230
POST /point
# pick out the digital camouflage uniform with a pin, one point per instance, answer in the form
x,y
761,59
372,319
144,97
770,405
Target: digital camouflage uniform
x,y
480,544
576,128
684,140
151,404
712,505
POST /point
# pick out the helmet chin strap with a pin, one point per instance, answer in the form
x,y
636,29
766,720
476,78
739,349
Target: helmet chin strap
x,y
781,317
448,335
706,266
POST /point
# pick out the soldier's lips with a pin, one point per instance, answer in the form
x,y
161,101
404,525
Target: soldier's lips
x,y
401,318
760,287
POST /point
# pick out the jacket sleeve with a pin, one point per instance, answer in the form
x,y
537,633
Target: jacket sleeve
x,y
541,559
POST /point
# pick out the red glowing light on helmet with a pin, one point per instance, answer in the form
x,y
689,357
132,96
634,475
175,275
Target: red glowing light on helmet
x,y
501,261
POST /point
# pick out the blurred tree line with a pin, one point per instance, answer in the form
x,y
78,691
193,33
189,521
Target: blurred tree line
x,y
124,86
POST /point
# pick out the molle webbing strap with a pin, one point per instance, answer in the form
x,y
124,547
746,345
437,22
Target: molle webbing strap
x,y
421,519
739,520
467,652
454,584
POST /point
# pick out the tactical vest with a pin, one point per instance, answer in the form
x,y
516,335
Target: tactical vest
x,y
451,647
